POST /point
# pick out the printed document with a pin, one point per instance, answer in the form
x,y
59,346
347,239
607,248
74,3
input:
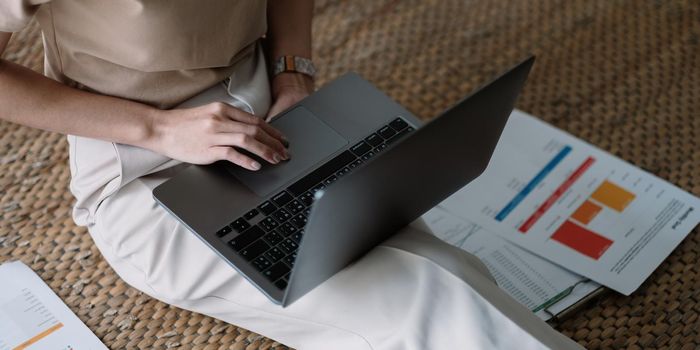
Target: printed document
x,y
539,285
577,206
32,317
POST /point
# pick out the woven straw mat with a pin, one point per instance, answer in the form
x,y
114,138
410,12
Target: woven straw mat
x,y
623,75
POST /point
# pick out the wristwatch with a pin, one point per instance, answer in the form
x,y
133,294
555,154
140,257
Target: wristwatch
x,y
294,64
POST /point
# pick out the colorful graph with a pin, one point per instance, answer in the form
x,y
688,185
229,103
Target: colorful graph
x,y
574,232
584,240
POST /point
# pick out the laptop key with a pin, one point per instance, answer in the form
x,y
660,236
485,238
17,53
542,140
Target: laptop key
x,y
386,132
275,254
281,215
251,214
273,237
296,237
281,284
288,246
268,224
307,198
254,250
398,124
246,238
317,188
267,208
262,263
355,164
240,225
224,231
342,171
399,135
330,180
360,148
276,271
282,198
294,207
290,259
299,221
374,140
287,229
368,155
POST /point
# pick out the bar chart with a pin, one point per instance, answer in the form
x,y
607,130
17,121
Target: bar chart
x,y
573,233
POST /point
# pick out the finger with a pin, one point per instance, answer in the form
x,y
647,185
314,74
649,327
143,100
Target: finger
x,y
241,116
259,134
273,112
252,145
262,136
231,155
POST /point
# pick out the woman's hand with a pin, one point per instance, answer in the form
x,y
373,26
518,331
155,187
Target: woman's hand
x,y
209,133
288,89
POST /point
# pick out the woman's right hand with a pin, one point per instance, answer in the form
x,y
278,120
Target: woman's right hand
x,y
203,135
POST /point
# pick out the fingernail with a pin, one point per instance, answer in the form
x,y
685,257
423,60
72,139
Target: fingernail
x,y
286,155
276,158
285,143
255,165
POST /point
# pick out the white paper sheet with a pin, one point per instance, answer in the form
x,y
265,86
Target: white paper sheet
x,y
32,317
539,177
534,282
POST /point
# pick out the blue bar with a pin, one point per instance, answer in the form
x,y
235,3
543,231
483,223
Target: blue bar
x,y
533,183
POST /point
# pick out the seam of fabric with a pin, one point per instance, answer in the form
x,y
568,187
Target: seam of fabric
x,y
55,39
72,157
103,196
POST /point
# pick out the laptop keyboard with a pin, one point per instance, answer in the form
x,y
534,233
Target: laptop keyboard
x,y
268,235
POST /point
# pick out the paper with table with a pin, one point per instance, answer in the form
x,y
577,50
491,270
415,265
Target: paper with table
x,y
33,317
577,206
539,285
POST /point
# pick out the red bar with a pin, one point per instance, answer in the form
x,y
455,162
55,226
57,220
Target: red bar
x,y
582,240
555,196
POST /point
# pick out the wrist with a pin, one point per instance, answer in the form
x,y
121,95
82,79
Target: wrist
x,y
154,128
291,82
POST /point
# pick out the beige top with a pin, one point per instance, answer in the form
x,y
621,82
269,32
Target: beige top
x,y
153,51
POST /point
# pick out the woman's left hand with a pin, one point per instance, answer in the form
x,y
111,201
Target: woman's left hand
x,y
288,89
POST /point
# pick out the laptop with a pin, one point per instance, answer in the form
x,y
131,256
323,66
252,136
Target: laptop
x,y
362,168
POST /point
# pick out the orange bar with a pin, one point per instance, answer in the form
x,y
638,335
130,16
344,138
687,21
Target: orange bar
x,y
613,196
586,212
38,337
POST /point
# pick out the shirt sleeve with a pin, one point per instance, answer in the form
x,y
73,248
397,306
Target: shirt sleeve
x,y
16,14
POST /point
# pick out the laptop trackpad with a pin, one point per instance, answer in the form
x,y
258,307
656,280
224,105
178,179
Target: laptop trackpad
x,y
310,141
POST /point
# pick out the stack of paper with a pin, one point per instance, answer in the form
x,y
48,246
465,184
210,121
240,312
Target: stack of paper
x,y
592,214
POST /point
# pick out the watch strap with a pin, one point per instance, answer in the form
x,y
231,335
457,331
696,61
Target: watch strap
x,y
294,64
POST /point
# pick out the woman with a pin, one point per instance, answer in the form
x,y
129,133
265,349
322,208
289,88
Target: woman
x,y
132,83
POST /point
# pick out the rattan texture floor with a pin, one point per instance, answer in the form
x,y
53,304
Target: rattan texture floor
x,y
622,74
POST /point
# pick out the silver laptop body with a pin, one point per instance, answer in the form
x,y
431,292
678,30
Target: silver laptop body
x,y
361,169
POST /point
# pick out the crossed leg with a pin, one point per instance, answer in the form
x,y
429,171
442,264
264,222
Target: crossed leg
x,y
412,292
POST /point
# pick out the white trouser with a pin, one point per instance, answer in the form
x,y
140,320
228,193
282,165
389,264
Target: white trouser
x,y
412,292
